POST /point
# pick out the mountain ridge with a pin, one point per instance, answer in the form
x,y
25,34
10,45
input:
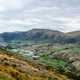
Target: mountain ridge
x,y
37,35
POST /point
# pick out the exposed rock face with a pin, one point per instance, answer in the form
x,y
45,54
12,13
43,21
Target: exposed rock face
x,y
76,64
73,60
65,55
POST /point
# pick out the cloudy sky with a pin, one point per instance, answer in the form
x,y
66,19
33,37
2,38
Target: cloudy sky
x,y
22,15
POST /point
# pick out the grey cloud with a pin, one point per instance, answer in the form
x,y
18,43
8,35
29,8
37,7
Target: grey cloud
x,y
63,15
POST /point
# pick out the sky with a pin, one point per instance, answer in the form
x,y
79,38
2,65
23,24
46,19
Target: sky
x,y
23,15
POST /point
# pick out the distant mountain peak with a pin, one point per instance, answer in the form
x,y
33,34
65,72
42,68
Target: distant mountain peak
x,y
42,35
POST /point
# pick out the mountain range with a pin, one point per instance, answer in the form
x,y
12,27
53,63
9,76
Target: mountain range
x,y
41,35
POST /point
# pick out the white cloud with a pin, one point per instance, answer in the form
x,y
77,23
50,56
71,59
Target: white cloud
x,y
16,15
11,4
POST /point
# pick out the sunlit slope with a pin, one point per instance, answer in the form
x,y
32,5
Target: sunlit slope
x,y
14,68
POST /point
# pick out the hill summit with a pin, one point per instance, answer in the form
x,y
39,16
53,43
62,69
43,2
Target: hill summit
x,y
41,35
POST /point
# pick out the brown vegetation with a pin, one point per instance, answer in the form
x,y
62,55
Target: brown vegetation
x,y
13,68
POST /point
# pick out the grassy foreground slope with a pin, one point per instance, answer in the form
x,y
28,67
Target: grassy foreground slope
x,y
13,67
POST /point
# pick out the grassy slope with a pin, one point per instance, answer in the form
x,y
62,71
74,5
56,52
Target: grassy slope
x,y
14,68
